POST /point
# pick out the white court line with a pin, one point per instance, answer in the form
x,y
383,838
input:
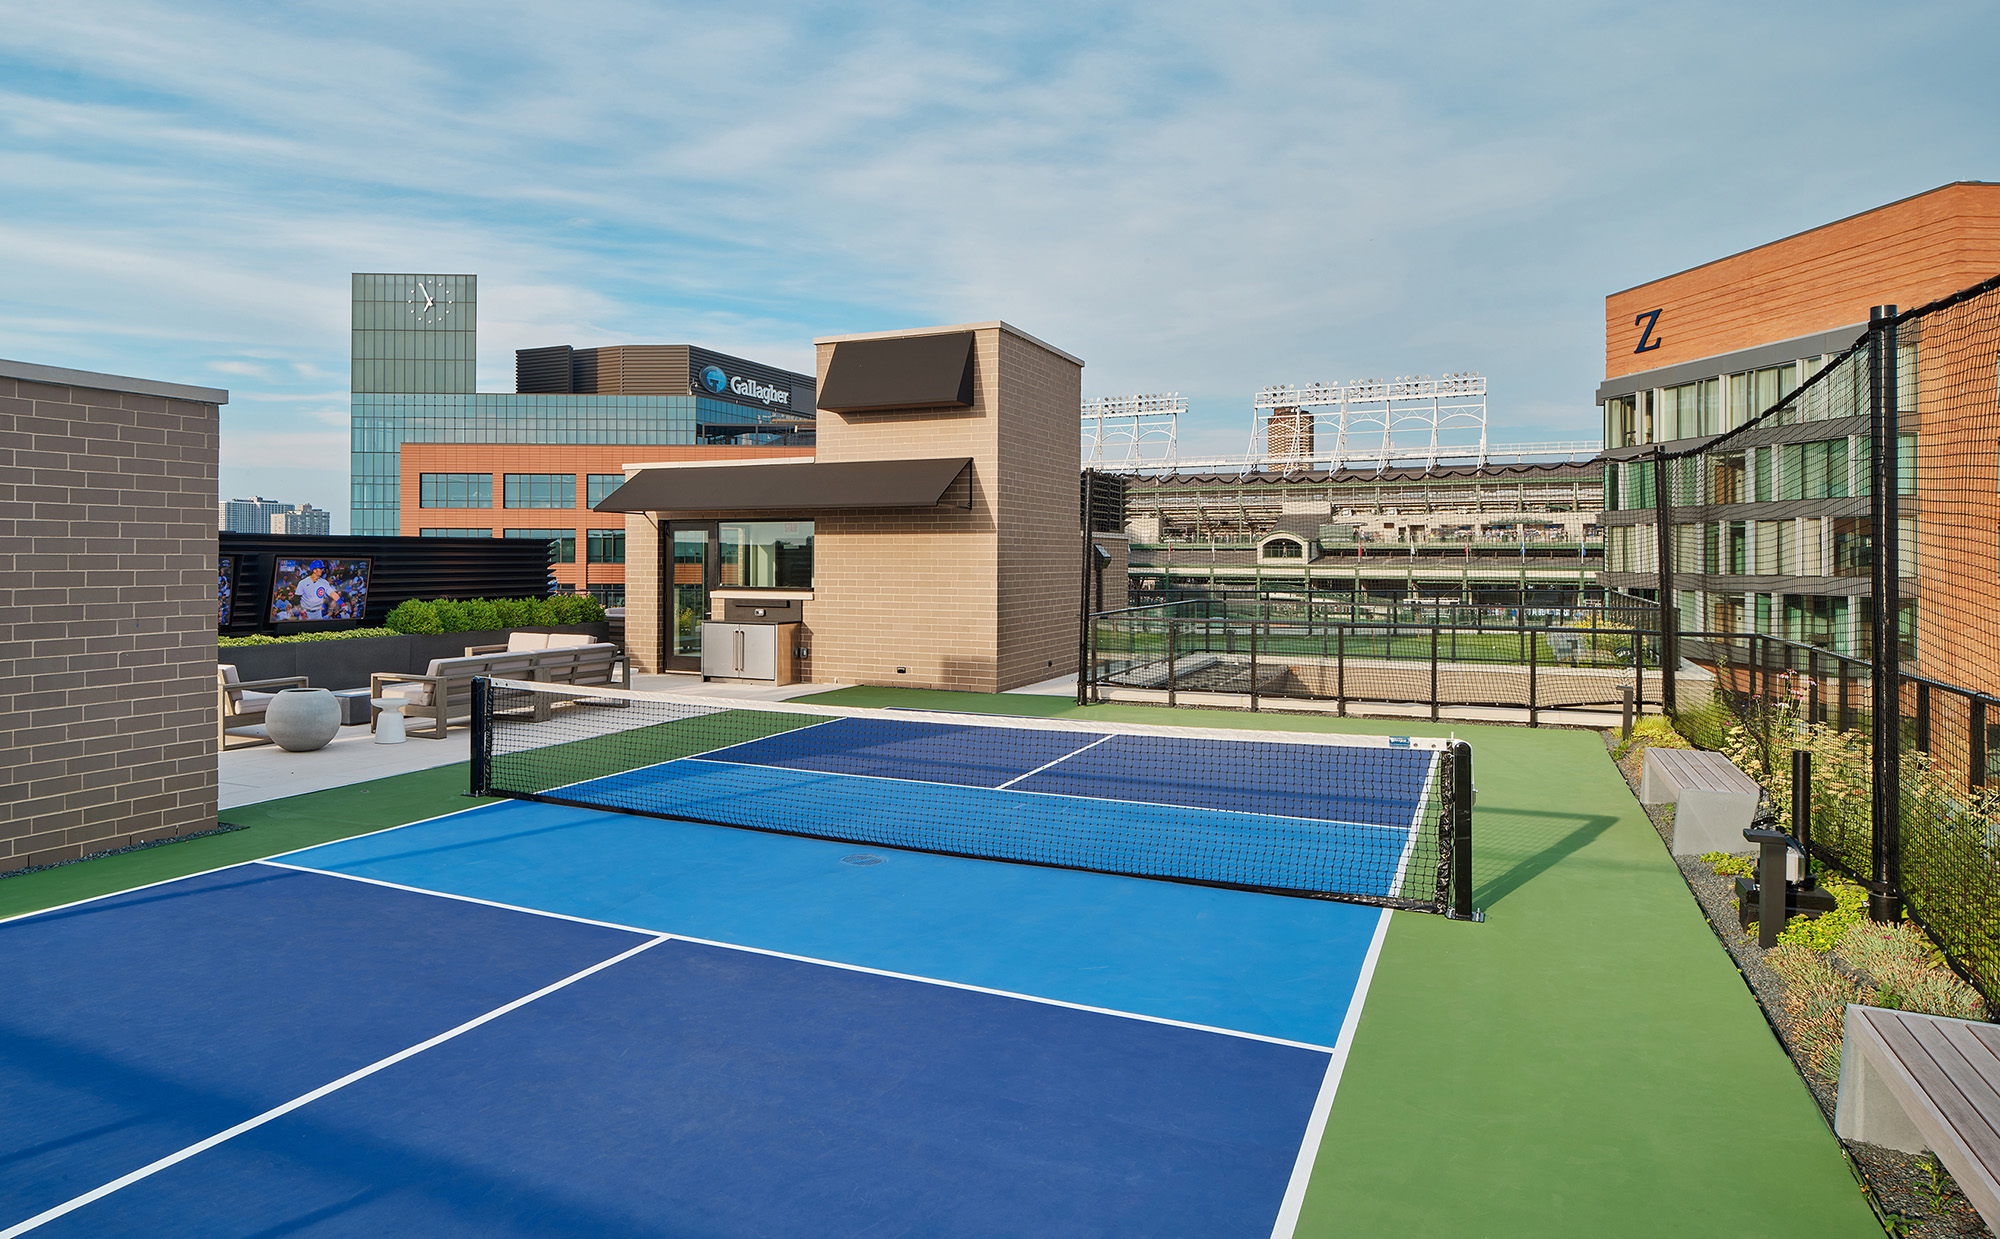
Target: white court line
x,y
237,864
1295,1191
809,959
1045,765
276,1112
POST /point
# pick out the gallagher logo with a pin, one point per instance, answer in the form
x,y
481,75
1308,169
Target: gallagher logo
x,y
715,380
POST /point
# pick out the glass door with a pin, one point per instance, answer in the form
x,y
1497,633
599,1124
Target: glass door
x,y
690,549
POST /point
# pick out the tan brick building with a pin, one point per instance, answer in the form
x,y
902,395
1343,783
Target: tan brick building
x,y
941,510
107,622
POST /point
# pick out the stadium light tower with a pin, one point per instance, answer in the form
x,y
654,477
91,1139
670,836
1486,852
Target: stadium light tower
x,y
1408,420
1129,432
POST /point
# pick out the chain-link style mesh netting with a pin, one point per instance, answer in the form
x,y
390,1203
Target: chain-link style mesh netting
x,y
1776,584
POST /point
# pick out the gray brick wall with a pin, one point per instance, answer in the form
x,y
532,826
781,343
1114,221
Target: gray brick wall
x,y
107,613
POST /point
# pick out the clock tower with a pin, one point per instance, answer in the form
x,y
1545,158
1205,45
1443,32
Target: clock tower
x,y
413,334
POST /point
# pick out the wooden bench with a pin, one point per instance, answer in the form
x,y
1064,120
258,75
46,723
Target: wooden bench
x,y
1714,800
1914,1082
443,694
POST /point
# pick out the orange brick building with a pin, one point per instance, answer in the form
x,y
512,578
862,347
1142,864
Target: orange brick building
x,y
588,548
1780,543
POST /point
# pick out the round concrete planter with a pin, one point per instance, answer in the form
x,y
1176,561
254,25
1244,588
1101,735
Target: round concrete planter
x,y
300,720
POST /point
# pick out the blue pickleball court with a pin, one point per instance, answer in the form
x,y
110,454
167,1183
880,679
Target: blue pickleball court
x,y
540,1017
1256,814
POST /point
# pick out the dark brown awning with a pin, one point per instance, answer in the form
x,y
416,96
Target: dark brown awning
x,y
904,372
801,487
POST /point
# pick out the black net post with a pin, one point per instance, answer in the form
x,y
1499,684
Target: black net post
x,y
482,738
1462,795
1884,902
1171,659
1663,514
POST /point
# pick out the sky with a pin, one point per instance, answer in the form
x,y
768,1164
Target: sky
x,y
1194,198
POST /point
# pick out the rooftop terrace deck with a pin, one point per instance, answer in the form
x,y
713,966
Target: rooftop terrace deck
x,y
1584,1062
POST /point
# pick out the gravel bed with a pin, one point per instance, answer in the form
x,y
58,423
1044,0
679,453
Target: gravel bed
x,y
1910,1191
220,828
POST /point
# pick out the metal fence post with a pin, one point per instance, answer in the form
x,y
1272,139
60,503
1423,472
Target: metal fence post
x,y
1434,673
1625,722
1663,512
1340,666
1846,695
1170,665
1975,764
1802,809
1534,650
1812,690
1884,902
1924,716
1253,666
1083,605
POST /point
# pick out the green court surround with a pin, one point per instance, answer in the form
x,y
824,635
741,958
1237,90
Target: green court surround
x,y
1585,1062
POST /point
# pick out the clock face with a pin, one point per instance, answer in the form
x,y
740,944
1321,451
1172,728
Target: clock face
x,y
430,301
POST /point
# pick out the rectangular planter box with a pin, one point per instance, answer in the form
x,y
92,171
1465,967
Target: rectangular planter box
x,y
349,663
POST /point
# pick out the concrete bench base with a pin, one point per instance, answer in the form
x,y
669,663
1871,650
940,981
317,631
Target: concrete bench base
x,y
1915,1082
1714,800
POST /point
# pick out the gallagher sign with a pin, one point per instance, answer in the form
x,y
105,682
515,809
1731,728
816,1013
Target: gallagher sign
x,y
718,381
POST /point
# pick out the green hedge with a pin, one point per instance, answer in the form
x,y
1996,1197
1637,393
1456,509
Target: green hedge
x,y
453,615
339,634
485,615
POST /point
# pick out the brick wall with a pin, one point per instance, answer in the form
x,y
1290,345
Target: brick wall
x,y
1905,253
107,612
978,600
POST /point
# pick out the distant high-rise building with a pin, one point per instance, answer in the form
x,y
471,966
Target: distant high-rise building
x,y
252,515
303,519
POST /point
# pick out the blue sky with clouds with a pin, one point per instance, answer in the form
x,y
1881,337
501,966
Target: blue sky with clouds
x,y
1192,197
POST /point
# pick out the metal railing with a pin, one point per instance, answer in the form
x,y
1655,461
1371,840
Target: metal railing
x,y
1200,647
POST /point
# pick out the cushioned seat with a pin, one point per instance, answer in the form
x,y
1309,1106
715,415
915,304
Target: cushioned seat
x,y
242,703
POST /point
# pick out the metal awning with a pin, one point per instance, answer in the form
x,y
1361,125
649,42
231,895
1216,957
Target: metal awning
x,y
785,487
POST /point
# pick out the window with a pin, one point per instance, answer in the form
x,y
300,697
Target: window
x,y
607,546
609,595
1284,548
562,542
455,490
1852,546
598,485
766,554
541,490
454,533
1621,421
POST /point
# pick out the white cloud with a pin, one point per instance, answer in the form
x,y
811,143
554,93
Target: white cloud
x,y
1191,198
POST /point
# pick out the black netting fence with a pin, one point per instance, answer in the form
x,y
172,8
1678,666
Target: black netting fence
x,y
1823,565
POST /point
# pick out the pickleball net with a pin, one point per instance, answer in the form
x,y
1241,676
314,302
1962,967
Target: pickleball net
x,y
1371,819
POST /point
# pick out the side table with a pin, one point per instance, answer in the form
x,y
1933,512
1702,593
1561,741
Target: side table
x,y
389,723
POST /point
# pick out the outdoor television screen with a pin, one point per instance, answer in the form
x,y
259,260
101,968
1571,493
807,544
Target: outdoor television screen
x,y
225,590
312,591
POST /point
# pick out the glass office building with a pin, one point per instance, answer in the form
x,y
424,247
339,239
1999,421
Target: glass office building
x,y
414,355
